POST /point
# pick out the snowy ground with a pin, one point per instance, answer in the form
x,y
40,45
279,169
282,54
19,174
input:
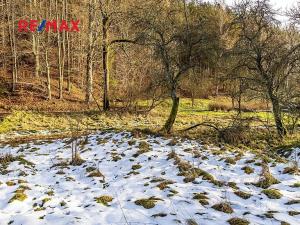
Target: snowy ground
x,y
58,193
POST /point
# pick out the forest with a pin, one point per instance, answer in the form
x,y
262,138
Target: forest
x,y
149,112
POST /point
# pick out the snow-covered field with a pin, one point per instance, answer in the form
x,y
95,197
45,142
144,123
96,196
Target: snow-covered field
x,y
51,191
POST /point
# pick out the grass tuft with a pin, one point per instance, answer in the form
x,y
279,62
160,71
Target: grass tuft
x,y
248,169
104,199
147,203
242,194
272,193
223,207
238,221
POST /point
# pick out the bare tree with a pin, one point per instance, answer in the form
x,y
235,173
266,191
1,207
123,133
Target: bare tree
x,y
265,51
111,15
90,51
178,40
12,40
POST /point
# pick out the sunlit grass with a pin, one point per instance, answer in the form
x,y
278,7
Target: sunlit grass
x,y
32,122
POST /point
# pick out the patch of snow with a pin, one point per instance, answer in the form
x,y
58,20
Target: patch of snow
x,y
74,193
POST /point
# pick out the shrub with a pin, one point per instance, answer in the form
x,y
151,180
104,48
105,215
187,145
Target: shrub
x,y
219,107
235,134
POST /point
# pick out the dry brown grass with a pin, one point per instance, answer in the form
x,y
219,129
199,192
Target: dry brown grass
x,y
225,104
31,95
219,107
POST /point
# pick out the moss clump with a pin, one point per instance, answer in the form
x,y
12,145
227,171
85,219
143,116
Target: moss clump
x,y
248,169
189,172
77,160
133,173
7,158
144,147
10,183
159,215
202,198
233,185
45,200
269,215
205,175
50,193
250,161
191,222
23,161
147,203
136,167
116,158
19,196
104,199
172,193
218,183
294,213
284,223
293,202
22,188
230,161
238,221
242,194
90,169
272,193
22,181
296,185
266,179
131,142
163,185
96,173
173,142
62,165
223,207
157,180
63,203
291,170
39,209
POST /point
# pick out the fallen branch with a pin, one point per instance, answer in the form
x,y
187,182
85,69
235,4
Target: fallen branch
x,y
201,124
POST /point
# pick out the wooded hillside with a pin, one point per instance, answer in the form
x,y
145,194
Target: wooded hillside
x,y
128,51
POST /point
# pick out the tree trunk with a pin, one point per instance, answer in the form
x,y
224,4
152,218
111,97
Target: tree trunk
x,y
106,105
48,77
36,54
193,99
12,39
89,65
60,63
68,51
277,116
172,117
